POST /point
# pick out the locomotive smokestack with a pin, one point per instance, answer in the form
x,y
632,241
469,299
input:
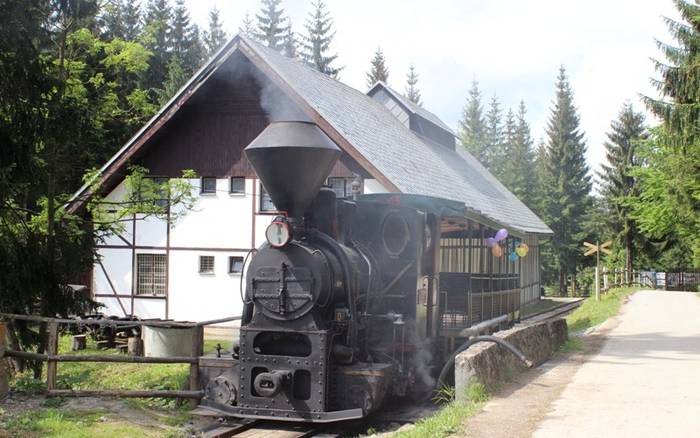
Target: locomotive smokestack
x,y
292,159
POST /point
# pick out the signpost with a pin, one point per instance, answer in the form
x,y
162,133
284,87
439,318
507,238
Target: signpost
x,y
596,249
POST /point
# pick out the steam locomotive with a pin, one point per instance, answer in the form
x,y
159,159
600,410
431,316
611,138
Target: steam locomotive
x,y
340,304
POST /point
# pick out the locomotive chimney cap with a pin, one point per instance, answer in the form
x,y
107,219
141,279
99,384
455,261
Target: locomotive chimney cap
x,y
293,160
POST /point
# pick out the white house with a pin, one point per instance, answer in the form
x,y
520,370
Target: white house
x,y
192,269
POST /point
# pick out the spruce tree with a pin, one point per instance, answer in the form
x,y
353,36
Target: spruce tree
x,y
618,184
291,42
215,37
112,21
185,40
131,20
318,39
493,147
272,25
505,165
378,70
519,162
472,127
569,185
156,38
412,91
175,80
668,206
247,27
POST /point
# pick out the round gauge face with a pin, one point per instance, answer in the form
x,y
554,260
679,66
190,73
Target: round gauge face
x,y
278,234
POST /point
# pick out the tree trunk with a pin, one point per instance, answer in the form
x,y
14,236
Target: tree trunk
x,y
562,282
629,257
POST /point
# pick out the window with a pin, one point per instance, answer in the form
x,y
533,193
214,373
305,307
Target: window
x,y
150,274
237,185
339,186
266,203
208,185
206,264
235,265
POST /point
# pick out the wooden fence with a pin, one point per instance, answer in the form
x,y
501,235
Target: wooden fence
x,y
52,358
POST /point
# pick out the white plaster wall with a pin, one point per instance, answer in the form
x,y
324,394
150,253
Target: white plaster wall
x,y
373,186
199,297
150,231
149,308
112,307
117,263
117,195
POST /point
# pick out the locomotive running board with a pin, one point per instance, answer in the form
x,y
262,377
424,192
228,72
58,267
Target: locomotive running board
x,y
282,415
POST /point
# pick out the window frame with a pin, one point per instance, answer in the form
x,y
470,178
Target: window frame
x,y
230,186
158,271
231,261
201,265
203,190
262,195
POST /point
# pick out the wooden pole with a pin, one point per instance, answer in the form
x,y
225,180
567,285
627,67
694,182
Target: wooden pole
x,y
597,272
101,358
4,370
52,350
123,393
197,350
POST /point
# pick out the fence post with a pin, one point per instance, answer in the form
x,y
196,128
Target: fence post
x,y
51,350
197,350
4,371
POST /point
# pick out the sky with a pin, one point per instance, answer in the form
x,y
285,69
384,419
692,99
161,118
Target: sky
x,y
513,48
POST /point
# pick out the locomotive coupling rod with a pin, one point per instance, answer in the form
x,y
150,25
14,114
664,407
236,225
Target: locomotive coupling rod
x,y
484,338
482,326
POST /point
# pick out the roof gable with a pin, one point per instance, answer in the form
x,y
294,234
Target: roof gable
x,y
400,159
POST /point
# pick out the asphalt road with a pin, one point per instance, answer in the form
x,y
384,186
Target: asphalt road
x,y
645,381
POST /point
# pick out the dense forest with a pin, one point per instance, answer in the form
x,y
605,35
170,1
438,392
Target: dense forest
x,y
79,77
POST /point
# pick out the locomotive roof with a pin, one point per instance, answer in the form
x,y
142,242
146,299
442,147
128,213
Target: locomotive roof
x,y
399,158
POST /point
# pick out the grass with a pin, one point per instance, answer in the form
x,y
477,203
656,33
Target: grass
x,y
53,420
592,312
83,423
450,418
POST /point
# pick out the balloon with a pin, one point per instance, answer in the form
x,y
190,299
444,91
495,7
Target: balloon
x,y
513,257
490,242
501,234
524,245
517,243
496,250
520,251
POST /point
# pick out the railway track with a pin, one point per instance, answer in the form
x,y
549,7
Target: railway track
x,y
553,312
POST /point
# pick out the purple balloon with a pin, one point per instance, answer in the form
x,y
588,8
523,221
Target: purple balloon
x,y
501,234
490,242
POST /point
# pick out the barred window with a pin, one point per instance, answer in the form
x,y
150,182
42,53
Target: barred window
x,y
150,274
235,265
206,264
339,186
237,185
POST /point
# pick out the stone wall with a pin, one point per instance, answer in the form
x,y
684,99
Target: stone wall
x,y
4,369
490,364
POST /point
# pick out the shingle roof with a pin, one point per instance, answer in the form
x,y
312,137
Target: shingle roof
x,y
412,107
414,164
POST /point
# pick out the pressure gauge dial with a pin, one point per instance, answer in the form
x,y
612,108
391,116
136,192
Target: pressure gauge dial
x,y
278,233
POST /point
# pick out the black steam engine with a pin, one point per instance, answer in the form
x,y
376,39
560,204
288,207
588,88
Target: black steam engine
x,y
339,306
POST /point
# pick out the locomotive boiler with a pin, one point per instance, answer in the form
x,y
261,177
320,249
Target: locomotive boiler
x,y
340,303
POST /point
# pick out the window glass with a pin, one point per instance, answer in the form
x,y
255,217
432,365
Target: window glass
x,y
237,185
265,200
206,264
235,265
339,186
208,185
150,274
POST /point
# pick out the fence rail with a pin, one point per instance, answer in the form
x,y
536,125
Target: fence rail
x,y
52,358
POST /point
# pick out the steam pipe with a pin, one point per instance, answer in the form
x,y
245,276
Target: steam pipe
x,y
476,339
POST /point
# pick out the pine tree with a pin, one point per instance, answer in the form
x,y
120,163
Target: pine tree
x,y
569,185
493,147
156,38
112,21
247,27
618,183
505,165
472,126
412,91
215,37
378,70
317,40
175,80
272,24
